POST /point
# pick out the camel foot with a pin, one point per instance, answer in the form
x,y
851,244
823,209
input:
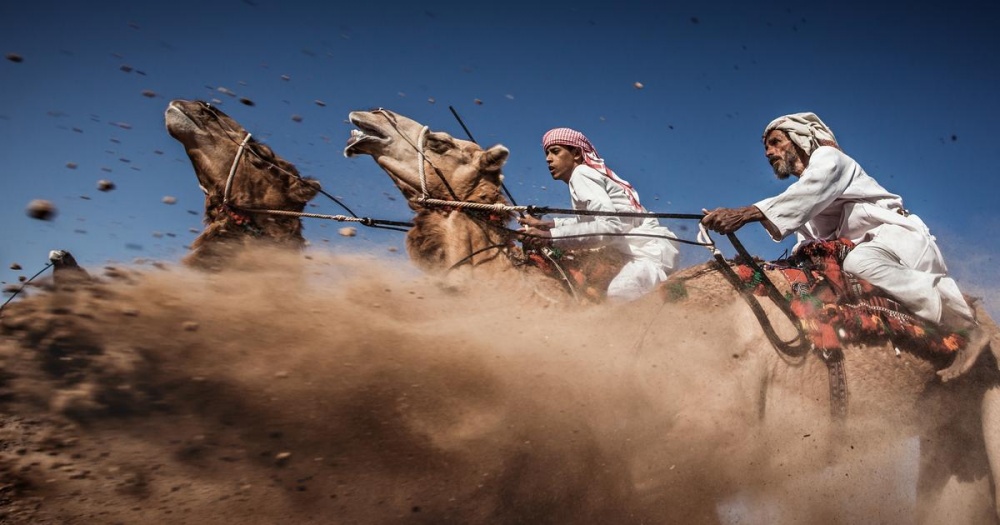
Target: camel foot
x,y
967,355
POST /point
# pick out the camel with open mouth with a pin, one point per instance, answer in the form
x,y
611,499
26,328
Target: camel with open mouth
x,y
239,177
958,423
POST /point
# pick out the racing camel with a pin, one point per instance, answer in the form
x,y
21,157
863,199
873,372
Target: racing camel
x,y
958,423
237,173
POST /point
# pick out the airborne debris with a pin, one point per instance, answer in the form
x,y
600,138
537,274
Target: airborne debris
x,y
297,118
15,266
148,93
225,90
71,165
320,103
431,100
167,199
348,231
478,102
638,85
126,68
286,78
246,102
14,57
41,209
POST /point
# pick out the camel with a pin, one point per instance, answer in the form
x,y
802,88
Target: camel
x,y
958,423
227,159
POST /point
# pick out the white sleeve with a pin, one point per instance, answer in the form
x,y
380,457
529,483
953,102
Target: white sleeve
x,y
826,178
590,195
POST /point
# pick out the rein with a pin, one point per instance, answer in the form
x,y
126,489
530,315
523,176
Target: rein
x,y
244,220
25,283
834,359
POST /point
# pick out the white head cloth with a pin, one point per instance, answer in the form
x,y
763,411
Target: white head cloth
x,y
806,130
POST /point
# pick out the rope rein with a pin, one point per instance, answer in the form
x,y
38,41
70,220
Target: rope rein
x,y
25,283
501,208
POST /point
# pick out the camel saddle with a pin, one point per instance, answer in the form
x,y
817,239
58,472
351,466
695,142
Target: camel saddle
x,y
587,271
836,308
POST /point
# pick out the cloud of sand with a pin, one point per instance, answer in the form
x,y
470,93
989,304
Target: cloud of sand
x,y
343,387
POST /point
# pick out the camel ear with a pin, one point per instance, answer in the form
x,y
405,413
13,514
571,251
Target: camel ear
x,y
302,190
493,158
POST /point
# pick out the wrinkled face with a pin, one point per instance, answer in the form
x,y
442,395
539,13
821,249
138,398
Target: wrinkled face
x,y
453,169
212,140
562,160
786,158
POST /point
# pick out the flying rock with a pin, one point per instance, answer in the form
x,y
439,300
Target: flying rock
x,y
42,210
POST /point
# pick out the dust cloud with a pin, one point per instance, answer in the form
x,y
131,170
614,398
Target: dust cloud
x,y
338,389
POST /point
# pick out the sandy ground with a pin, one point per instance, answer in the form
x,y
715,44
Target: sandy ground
x,y
336,390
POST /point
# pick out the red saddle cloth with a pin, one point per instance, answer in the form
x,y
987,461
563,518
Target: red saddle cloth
x,y
588,271
836,308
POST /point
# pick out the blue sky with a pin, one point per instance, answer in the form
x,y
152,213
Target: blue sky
x,y
911,94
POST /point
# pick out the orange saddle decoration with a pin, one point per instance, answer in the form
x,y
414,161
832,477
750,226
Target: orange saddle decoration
x,y
835,308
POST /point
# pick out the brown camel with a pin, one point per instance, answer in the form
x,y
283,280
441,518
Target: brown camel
x,y
958,423
260,180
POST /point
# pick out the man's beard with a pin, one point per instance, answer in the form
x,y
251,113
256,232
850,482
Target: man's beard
x,y
784,166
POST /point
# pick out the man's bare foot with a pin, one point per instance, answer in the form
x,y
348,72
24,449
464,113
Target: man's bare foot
x,y
979,339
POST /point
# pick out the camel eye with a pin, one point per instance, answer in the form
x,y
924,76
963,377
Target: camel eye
x,y
438,144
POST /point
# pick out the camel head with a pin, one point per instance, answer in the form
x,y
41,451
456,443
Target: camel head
x,y
454,169
262,180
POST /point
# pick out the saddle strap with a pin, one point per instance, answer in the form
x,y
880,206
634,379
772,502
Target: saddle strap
x,y
834,360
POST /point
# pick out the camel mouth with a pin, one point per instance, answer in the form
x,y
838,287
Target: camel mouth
x,y
364,134
178,120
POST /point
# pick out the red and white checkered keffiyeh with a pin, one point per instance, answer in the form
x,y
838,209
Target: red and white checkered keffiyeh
x,y
573,138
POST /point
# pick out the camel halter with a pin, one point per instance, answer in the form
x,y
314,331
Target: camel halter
x,y
418,147
232,170
366,221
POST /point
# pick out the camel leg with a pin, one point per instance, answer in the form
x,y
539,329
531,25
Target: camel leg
x,y
958,455
991,436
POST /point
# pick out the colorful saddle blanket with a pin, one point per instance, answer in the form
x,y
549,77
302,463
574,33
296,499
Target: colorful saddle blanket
x,y
836,308
589,272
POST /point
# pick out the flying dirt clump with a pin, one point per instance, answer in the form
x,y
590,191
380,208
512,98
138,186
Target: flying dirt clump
x,y
42,210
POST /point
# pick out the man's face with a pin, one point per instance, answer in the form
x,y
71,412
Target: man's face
x,y
561,160
785,157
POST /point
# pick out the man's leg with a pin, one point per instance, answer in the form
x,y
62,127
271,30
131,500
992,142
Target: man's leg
x,y
931,296
637,278
915,289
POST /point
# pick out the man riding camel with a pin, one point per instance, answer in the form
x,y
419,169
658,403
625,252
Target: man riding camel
x,y
593,186
834,198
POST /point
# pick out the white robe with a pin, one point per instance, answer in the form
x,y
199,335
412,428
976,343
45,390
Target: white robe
x,y
650,258
895,251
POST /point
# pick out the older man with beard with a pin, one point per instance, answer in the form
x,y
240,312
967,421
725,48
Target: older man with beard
x,y
834,198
